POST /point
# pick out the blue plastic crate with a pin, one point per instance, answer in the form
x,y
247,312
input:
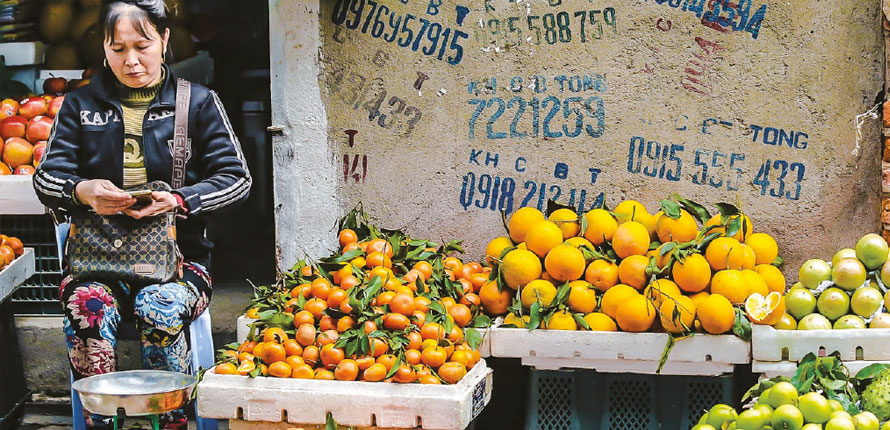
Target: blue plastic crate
x,y
587,400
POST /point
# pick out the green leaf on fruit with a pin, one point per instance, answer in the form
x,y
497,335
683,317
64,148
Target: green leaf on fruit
x,y
726,209
670,208
741,327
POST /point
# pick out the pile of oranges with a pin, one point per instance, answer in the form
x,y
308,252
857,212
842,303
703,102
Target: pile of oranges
x,y
383,308
10,248
679,270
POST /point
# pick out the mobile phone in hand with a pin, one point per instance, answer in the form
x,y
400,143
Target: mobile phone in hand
x,y
143,198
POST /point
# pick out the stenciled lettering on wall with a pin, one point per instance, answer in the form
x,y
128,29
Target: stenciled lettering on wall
x,y
407,31
566,114
549,28
709,167
503,193
723,15
384,109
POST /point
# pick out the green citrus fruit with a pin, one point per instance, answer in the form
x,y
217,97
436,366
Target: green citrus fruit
x,y
814,322
783,393
840,423
751,419
848,273
787,417
800,302
843,253
849,321
833,303
866,421
814,407
866,301
720,414
881,320
872,250
813,272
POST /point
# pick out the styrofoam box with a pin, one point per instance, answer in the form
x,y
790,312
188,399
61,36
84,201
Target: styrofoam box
x,y
769,369
769,344
14,274
242,328
620,352
22,53
17,196
351,403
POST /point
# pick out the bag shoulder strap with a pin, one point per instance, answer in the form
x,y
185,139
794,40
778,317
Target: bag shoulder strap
x,y
180,131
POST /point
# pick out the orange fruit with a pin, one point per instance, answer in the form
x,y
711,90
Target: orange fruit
x,y
470,300
274,334
614,297
520,267
387,360
226,369
424,268
631,238
365,362
294,361
429,379
677,314
348,282
415,340
432,331
394,321
682,229
316,307
7,254
692,274
730,284
453,264
567,221
452,372
247,346
375,373
403,304
310,355
336,297
292,347
602,274
345,323
600,322
521,221
601,226
405,374
494,249
324,374
745,230
321,287
660,290
273,352
582,298
543,236
326,323
17,246
632,271
346,237
755,283
725,252
17,152
538,290
327,337
412,356
463,357
561,320
246,367
767,309
565,263
765,248
305,335
699,297
636,314
280,369
303,371
774,278
380,245
495,302
380,347
461,314
716,314
346,370
376,259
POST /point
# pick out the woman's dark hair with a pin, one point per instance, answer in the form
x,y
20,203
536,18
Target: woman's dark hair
x,y
140,12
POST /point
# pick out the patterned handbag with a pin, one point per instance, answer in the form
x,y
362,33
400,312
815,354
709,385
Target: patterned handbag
x,y
121,248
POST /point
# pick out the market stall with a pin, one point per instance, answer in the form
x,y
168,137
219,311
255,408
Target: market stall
x,y
13,392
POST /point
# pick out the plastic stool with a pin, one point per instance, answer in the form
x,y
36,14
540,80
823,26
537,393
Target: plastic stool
x,y
200,336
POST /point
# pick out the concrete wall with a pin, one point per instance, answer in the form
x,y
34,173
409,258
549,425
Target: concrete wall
x,y
649,99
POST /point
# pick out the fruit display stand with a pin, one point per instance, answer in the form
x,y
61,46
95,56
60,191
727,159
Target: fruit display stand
x,y
776,352
267,403
17,196
620,352
13,392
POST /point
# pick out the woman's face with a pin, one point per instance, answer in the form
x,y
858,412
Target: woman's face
x,y
134,59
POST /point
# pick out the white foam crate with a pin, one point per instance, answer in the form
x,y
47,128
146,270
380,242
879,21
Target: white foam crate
x,y
351,403
242,328
620,352
14,274
22,53
769,369
17,196
771,345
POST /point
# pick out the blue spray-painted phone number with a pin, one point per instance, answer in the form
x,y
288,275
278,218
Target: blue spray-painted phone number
x,y
497,194
571,107
400,29
664,161
723,13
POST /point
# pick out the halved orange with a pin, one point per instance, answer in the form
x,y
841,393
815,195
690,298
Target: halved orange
x,y
766,310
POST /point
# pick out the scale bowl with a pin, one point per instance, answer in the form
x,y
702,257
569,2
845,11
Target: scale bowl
x,y
138,392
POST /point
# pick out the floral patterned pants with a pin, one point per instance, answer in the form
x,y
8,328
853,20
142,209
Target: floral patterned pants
x,y
162,312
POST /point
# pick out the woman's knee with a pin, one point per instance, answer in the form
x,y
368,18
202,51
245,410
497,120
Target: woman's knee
x,y
164,307
90,305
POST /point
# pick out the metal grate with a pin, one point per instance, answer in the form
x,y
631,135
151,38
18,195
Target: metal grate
x,y
702,396
39,294
629,404
556,402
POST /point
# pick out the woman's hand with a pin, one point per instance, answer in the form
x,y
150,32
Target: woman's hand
x,y
103,196
161,202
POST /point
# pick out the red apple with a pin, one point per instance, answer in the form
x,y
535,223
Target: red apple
x,y
24,169
55,85
33,106
39,128
8,108
13,126
53,107
17,152
38,151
